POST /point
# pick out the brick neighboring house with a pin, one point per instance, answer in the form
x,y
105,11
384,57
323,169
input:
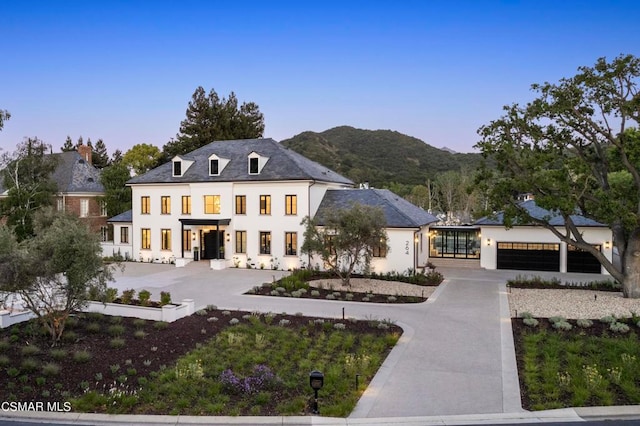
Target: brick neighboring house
x,y
79,189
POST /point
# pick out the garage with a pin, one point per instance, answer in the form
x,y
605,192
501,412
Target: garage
x,y
528,256
582,261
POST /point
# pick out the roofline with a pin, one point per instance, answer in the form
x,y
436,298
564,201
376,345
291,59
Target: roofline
x,y
497,225
239,181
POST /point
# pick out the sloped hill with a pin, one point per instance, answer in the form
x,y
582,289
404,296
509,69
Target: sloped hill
x,y
378,156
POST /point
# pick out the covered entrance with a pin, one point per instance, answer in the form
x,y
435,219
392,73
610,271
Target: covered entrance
x,y
211,240
212,244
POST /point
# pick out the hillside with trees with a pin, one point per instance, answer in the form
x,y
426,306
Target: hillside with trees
x,y
380,157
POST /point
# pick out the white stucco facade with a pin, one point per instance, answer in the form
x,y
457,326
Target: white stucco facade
x,y
271,218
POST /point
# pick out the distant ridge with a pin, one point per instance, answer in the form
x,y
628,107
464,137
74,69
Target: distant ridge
x,y
379,157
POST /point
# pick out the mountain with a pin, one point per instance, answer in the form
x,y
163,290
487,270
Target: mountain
x,y
379,156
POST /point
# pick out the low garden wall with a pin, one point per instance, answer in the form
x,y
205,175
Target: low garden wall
x,y
167,313
9,318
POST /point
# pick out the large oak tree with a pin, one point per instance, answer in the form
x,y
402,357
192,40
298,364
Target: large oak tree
x,y
576,149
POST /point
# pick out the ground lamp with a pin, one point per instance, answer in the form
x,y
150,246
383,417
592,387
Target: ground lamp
x,y
316,380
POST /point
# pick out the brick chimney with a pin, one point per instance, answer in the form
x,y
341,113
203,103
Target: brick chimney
x,y
85,153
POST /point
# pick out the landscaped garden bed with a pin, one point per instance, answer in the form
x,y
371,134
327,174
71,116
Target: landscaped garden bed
x,y
573,363
211,363
385,288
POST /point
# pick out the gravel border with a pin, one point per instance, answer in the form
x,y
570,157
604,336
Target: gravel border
x,y
364,285
572,304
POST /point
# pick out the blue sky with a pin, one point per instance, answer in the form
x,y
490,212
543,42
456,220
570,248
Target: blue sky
x,y
124,71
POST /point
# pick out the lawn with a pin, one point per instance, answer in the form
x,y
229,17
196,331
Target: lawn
x,y
586,365
211,363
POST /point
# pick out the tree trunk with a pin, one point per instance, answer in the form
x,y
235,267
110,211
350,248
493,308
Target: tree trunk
x,y
631,269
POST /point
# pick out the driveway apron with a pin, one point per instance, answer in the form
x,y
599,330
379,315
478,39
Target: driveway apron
x,y
452,364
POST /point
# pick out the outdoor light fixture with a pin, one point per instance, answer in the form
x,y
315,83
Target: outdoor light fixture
x,y
488,241
228,237
607,245
316,381
194,236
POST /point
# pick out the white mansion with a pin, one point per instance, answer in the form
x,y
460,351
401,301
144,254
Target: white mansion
x,y
241,202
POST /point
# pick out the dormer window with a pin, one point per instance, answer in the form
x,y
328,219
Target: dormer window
x,y
256,163
253,166
217,165
180,166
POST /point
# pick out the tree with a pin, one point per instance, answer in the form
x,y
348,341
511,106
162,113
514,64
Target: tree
x,y
117,196
574,149
26,175
99,155
346,238
54,272
4,116
142,157
68,145
116,157
210,118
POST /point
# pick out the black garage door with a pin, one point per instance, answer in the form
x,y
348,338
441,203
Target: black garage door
x,y
529,256
582,261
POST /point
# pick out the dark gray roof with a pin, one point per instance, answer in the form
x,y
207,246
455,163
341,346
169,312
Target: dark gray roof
x,y
73,174
283,164
122,217
399,212
538,212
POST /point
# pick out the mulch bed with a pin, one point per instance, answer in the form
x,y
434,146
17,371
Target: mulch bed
x,y
162,347
357,297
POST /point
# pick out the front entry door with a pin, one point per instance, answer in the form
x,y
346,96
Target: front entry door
x,y
213,245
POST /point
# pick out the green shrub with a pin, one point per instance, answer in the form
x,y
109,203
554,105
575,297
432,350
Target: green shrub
x,y
5,345
71,322
530,322
115,319
82,356
526,314
584,323
139,334
160,325
4,361
13,372
145,297
58,353
93,327
619,327
127,296
557,319
116,330
139,323
165,298
70,336
117,343
30,350
562,325
609,319
29,364
110,295
51,369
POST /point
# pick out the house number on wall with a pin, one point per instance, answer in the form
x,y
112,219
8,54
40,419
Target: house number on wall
x,y
406,247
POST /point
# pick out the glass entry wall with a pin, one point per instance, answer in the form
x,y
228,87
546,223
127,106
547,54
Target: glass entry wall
x,y
458,243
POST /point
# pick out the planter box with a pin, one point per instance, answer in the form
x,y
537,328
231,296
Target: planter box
x,y
167,313
181,262
8,318
218,264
